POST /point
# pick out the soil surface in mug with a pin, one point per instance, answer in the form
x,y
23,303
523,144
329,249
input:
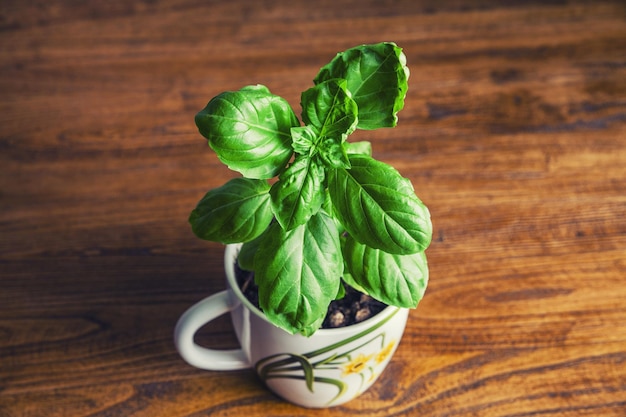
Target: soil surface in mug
x,y
353,308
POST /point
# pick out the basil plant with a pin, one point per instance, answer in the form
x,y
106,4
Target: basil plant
x,y
312,208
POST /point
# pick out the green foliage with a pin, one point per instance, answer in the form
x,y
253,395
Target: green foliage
x,y
386,276
338,211
296,286
378,206
249,130
377,80
238,211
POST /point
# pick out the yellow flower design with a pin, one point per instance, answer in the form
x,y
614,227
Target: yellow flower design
x,y
384,354
356,365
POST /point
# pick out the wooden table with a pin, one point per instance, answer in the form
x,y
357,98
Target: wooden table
x,y
513,133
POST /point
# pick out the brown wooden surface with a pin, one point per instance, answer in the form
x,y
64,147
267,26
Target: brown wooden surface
x,y
513,133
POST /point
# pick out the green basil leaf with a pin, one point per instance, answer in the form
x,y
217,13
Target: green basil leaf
x,y
238,211
249,130
398,280
363,148
245,257
341,292
378,207
329,108
299,192
377,78
298,273
304,139
333,153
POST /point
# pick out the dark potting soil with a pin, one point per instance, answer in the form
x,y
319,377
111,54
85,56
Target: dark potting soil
x,y
353,308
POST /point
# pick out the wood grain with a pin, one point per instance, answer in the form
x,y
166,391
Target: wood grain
x,y
513,133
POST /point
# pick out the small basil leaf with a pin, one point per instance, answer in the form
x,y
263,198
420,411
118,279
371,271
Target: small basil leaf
x,y
333,153
299,192
304,138
329,108
363,148
298,273
249,130
398,280
378,207
245,257
377,80
238,211
341,292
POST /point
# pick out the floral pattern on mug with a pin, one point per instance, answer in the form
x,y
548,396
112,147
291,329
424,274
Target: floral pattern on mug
x,y
356,365
384,354
361,356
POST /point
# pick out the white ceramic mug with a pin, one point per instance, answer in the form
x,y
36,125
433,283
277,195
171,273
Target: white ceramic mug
x,y
327,369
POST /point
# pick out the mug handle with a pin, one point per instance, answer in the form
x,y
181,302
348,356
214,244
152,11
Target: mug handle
x,y
191,321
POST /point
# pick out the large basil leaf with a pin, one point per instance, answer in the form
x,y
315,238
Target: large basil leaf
x,y
330,109
238,211
398,280
377,80
249,130
299,193
378,207
298,273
